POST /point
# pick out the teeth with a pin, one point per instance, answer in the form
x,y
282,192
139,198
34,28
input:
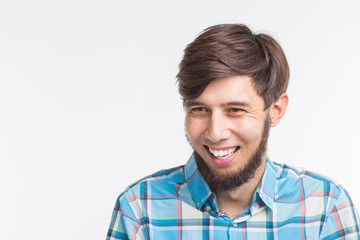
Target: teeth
x,y
222,154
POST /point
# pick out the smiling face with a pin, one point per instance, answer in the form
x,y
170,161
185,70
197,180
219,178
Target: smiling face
x,y
228,127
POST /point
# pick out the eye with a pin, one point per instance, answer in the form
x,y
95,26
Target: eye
x,y
235,110
199,109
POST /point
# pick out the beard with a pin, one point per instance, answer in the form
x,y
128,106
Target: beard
x,y
226,182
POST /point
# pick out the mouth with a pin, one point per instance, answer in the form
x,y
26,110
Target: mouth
x,y
223,153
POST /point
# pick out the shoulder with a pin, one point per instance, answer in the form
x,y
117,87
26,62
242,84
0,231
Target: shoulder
x,y
156,183
312,180
317,198
295,182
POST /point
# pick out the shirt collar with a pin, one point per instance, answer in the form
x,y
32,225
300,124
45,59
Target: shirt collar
x,y
200,190
267,187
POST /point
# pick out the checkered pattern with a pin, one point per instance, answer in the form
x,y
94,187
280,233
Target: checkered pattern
x,y
289,203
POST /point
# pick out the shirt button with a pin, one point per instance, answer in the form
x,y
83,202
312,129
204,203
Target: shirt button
x,y
207,208
234,225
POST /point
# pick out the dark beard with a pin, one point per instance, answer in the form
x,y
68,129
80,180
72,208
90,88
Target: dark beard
x,y
243,175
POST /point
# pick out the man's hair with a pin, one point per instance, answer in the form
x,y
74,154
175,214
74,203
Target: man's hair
x,y
233,49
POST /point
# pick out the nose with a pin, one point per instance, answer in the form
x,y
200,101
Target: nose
x,y
217,128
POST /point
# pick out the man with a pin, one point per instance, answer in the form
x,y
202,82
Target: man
x,y
233,84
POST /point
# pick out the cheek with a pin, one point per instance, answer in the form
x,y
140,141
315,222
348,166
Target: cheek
x,y
249,131
193,128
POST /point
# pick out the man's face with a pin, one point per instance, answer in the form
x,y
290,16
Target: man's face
x,y
228,129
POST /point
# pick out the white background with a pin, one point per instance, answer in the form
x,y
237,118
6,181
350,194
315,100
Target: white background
x,y
89,103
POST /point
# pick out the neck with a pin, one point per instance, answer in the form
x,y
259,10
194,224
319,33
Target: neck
x,y
234,201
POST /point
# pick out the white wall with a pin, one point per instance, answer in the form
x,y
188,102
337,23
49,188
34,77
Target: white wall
x,y
89,104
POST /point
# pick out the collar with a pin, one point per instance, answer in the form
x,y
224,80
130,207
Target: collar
x,y
201,192
199,189
267,187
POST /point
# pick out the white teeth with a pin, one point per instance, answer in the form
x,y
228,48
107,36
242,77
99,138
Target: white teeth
x,y
222,154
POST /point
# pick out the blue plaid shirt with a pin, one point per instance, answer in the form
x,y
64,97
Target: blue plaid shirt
x,y
289,203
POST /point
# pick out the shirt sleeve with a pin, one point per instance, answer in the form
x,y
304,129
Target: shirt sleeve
x,y
124,224
342,220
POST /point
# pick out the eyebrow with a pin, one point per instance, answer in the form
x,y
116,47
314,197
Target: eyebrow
x,y
191,103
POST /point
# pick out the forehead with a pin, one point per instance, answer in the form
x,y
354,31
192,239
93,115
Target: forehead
x,y
233,89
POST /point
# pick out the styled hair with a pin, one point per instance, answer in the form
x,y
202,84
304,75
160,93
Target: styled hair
x,y
233,49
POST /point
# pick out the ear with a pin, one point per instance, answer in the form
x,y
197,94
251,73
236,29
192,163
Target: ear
x,y
278,109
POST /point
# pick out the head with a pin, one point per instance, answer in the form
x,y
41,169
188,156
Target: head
x,y
233,85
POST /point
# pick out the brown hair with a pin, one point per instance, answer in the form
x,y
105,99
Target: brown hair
x,y
233,49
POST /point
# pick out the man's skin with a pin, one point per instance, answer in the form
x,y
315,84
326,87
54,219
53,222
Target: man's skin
x,y
229,115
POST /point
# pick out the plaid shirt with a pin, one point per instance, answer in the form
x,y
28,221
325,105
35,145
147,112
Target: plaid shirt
x,y
288,204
